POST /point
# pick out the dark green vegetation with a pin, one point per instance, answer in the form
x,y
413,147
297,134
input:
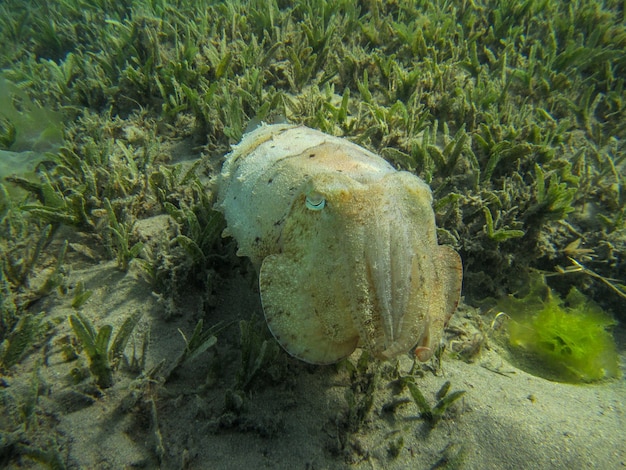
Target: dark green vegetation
x,y
514,112
103,358
514,115
433,414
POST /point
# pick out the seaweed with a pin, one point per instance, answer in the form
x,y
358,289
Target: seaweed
x,y
25,125
561,339
19,436
258,353
433,414
20,339
81,295
201,340
103,359
121,232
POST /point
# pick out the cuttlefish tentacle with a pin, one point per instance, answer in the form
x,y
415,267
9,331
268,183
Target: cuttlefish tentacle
x,y
395,260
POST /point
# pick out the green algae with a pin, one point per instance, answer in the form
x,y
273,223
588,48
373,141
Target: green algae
x,y
561,339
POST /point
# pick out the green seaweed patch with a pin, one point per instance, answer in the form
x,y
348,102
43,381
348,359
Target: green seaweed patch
x,y
563,340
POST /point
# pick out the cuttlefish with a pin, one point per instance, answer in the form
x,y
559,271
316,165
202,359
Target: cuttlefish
x,y
345,245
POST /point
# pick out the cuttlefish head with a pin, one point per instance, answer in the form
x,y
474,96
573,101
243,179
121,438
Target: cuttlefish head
x,y
359,264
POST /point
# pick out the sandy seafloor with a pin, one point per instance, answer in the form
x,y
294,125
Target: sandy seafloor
x,y
506,419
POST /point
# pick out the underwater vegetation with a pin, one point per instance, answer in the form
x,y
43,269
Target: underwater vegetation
x,y
116,112
103,358
513,112
433,414
562,339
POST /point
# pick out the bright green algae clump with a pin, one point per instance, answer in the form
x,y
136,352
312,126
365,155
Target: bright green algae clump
x,y
564,340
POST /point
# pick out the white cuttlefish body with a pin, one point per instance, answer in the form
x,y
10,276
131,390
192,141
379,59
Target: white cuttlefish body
x,y
345,245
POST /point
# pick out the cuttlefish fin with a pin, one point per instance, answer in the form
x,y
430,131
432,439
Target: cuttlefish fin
x,y
302,311
450,269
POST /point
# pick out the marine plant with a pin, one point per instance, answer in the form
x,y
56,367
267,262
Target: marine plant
x,y
81,295
19,425
257,353
103,359
562,339
20,338
125,251
259,360
433,414
23,246
363,377
461,94
200,341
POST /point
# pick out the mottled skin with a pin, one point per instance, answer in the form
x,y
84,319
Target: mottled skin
x,y
345,245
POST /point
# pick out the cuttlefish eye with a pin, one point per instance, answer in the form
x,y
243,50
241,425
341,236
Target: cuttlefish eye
x,y
315,201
